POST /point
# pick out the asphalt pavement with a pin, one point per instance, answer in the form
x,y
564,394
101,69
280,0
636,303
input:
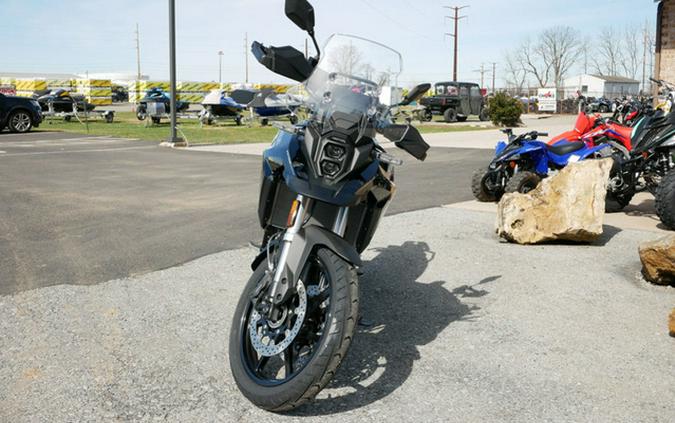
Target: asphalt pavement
x,y
84,210
465,329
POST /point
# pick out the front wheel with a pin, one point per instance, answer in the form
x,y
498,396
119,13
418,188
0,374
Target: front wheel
x,y
479,186
283,362
617,201
484,115
427,116
522,182
450,115
665,200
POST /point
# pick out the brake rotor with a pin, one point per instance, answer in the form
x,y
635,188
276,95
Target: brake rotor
x,y
265,336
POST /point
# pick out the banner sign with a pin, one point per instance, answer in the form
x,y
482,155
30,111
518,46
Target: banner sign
x,y
547,99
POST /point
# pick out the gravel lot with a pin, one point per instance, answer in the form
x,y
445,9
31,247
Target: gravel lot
x,y
466,329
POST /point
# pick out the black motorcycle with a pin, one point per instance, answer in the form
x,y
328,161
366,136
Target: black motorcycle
x,y
650,164
326,183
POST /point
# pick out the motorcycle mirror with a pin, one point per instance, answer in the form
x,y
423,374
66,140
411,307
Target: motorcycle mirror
x,y
301,13
415,94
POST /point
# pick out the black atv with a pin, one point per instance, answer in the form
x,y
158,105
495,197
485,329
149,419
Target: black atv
x,y
650,164
455,101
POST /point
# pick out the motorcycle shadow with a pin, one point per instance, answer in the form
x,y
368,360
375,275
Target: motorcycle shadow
x,y
402,314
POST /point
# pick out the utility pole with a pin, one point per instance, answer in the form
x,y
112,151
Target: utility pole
x,y
482,75
138,53
644,59
455,35
246,54
494,73
220,68
173,140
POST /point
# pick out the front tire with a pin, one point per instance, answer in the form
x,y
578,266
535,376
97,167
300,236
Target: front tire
x,y
450,115
523,182
665,200
19,122
331,344
617,201
479,188
484,115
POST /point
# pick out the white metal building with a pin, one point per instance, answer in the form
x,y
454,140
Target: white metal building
x,y
601,86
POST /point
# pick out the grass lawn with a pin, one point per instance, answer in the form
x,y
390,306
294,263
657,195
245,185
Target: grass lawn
x,y
127,126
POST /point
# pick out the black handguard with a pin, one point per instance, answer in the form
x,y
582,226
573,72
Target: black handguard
x,y
408,138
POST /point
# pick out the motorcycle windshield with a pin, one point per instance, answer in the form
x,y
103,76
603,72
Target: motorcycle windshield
x,y
351,75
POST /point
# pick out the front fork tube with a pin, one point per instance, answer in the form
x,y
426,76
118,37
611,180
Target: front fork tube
x,y
296,218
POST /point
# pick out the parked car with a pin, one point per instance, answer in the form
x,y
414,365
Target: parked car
x,y
455,101
19,114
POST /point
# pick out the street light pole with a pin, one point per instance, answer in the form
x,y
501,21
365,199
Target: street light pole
x,y
220,68
173,138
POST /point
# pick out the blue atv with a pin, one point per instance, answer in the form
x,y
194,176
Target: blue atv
x,y
520,164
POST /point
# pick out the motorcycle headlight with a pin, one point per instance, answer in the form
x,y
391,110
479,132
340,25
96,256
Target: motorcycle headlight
x,y
334,151
329,168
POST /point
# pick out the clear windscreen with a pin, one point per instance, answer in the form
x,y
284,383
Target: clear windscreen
x,y
351,75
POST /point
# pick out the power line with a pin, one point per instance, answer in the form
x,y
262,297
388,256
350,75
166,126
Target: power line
x,y
394,21
455,35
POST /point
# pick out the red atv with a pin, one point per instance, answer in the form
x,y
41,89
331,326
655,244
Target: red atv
x,y
594,129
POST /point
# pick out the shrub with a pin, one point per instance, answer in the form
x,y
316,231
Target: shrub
x,y
505,110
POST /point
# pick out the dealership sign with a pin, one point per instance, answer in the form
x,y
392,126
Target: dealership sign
x,y
547,99
7,90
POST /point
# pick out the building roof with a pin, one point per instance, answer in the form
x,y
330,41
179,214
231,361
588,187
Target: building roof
x,y
623,79
34,75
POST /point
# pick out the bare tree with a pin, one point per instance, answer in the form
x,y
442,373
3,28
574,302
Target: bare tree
x,y
560,45
631,56
608,54
534,62
515,74
552,56
347,59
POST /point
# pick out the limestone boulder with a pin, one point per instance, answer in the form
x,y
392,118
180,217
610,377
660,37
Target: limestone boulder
x,y
568,206
658,260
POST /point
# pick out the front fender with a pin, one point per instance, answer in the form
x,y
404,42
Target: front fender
x,y
303,244
313,236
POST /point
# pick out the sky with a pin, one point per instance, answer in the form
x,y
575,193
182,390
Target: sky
x,y
71,36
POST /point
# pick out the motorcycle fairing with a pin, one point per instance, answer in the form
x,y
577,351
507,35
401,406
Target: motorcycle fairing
x,y
283,155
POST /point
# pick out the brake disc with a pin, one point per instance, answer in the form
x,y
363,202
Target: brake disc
x,y
264,338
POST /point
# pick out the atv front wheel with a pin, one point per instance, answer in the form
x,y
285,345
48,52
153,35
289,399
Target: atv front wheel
x,y
665,200
480,189
617,201
428,116
522,182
